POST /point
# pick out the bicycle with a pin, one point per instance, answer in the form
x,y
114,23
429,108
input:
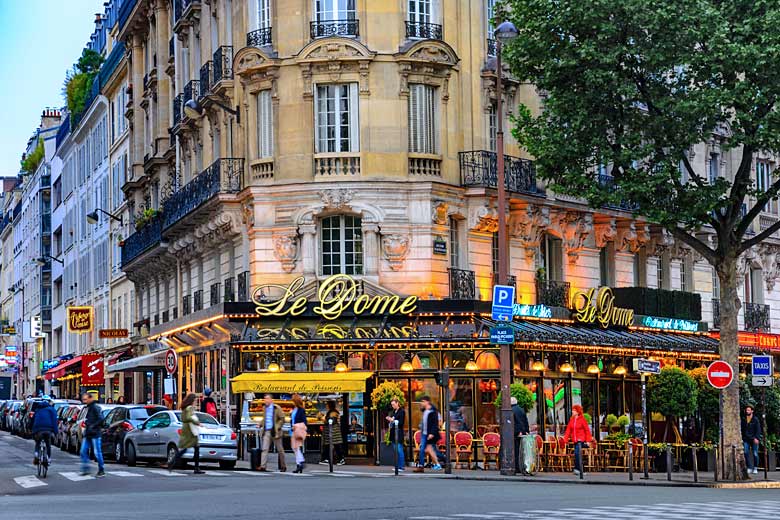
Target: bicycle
x,y
43,457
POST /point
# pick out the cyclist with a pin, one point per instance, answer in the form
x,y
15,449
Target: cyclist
x,y
44,426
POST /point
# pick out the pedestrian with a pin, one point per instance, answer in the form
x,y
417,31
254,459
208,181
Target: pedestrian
x,y
44,427
430,435
121,400
335,432
109,401
190,434
299,431
51,394
579,432
751,438
521,428
396,418
92,432
208,404
273,422
168,402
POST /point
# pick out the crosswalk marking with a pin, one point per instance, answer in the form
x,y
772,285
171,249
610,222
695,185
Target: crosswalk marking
x,y
29,481
217,473
76,477
123,474
165,472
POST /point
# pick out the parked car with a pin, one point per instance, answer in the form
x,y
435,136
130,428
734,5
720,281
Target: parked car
x,y
158,436
123,419
6,413
16,417
68,439
77,431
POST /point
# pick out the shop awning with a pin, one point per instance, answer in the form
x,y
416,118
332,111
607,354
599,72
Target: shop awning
x,y
59,371
140,363
111,360
301,382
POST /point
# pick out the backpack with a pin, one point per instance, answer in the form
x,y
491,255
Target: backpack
x,y
211,408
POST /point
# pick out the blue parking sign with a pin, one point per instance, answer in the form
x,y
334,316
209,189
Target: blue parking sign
x,y
503,302
762,366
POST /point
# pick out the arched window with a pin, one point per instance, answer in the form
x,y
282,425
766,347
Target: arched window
x,y
341,244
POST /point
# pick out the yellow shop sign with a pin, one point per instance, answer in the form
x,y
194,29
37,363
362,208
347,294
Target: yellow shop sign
x,y
592,307
336,295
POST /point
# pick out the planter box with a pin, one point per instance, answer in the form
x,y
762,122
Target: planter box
x,y
772,460
705,460
659,462
386,457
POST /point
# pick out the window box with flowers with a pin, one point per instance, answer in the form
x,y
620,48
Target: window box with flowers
x,y
145,217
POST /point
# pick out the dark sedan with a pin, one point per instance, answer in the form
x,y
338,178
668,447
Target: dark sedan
x,y
119,421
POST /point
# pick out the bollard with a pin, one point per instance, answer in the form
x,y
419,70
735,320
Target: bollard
x,y
647,459
695,465
330,444
630,460
669,462
766,461
734,462
395,446
716,463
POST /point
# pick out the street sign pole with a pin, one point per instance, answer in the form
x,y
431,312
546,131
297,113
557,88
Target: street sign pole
x,y
644,426
764,436
502,309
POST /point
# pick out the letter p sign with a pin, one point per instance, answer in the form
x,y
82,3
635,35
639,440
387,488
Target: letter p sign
x,y
503,302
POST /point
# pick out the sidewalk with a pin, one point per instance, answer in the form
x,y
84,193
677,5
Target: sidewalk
x,y
679,479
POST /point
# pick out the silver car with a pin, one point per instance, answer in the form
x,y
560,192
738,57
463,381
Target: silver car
x,y
158,436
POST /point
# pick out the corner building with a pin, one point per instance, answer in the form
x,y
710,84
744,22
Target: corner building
x,y
275,140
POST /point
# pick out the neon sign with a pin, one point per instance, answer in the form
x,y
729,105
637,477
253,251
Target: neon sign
x,y
670,324
591,308
531,311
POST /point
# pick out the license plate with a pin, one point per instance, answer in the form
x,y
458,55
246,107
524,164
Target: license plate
x,y
211,437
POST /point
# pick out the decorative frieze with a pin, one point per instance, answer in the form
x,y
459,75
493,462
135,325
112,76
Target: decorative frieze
x,y
528,226
604,232
768,255
660,241
631,236
483,219
439,215
336,198
395,248
573,228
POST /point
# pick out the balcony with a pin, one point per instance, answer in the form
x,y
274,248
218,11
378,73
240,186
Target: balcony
x,y
142,240
230,294
224,176
511,280
463,284
259,38
178,103
222,65
478,168
184,13
191,91
424,165
329,165
325,28
757,317
608,182
715,313
552,293
491,47
423,30
206,79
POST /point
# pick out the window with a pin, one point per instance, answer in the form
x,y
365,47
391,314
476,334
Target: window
x,y
551,258
159,420
332,10
263,14
422,11
764,182
423,120
714,167
494,253
754,287
341,245
265,139
492,127
490,6
337,118
454,244
662,271
686,276
607,265
640,268
715,285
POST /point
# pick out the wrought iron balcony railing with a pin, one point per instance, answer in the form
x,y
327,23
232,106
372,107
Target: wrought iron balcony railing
x,y
243,287
757,317
552,293
223,176
230,294
715,313
186,305
197,304
511,280
206,79
427,31
142,240
223,64
324,28
178,103
608,182
463,284
259,38
479,168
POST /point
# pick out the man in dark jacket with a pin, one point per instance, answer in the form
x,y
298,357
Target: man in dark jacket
x,y
430,435
751,438
44,426
92,433
521,428
396,418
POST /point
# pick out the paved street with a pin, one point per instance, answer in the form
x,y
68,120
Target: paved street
x,y
349,493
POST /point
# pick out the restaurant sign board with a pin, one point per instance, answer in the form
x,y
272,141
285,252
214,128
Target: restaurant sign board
x,y
80,320
113,333
593,307
674,324
92,370
647,366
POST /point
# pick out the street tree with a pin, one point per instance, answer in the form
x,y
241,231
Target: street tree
x,y
635,85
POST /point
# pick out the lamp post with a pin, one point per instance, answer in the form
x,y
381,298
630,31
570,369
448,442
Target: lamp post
x,y
19,287
504,33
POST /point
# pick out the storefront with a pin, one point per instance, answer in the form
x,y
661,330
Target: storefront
x,y
65,378
150,371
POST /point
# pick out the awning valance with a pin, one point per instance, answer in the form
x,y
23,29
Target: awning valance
x,y
140,363
301,382
59,371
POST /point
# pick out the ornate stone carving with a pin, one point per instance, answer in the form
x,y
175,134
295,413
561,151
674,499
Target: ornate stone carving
x,y
528,226
440,212
248,214
660,241
573,228
631,237
604,232
769,256
484,219
433,53
333,50
396,248
286,250
336,198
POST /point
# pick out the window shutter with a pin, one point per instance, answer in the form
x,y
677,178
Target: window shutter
x,y
264,124
317,118
414,113
354,119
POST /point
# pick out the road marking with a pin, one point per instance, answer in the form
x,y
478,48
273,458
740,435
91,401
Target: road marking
x,y
124,474
285,474
76,477
29,482
254,473
218,473
165,472
334,474
475,515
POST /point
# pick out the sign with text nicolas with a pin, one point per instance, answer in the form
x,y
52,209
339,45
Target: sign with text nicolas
x,y
80,320
92,370
113,333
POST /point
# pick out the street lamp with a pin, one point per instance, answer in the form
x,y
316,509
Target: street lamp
x,y
41,260
92,217
504,33
194,110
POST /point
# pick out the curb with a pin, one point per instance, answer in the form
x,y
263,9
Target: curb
x,y
638,483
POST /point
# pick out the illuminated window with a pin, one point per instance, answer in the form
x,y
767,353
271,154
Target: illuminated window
x,y
341,244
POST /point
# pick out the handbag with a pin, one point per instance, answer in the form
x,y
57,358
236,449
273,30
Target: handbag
x,y
194,429
299,431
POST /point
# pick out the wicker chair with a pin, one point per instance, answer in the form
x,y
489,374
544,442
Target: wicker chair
x,y
491,446
464,443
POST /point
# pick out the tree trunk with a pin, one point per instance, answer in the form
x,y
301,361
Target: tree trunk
x,y
729,352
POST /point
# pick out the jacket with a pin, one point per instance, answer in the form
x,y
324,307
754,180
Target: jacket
x,y
432,424
45,420
400,416
578,430
188,438
278,421
337,439
93,421
521,421
751,430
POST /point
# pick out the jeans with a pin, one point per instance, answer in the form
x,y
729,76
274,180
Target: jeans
x,y
751,454
423,443
46,436
578,456
399,447
97,448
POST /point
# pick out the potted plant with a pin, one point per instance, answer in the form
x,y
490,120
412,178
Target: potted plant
x,y
525,398
380,401
610,421
622,422
120,240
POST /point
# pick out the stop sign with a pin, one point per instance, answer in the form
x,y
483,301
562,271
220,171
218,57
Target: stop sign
x,y
720,374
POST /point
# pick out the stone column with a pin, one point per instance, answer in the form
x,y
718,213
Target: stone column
x,y
371,249
308,250
137,79
163,81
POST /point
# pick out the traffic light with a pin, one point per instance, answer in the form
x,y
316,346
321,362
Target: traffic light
x,y
442,377
36,327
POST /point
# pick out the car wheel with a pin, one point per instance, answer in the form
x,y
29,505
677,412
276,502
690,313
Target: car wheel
x,y
130,454
118,452
227,464
172,451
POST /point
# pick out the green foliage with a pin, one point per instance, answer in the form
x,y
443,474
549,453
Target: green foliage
x,y
618,437
31,162
78,82
145,217
672,393
749,395
525,398
708,398
588,418
623,421
610,420
386,392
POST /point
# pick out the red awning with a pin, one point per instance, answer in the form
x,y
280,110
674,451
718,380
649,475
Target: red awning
x,y
59,370
113,359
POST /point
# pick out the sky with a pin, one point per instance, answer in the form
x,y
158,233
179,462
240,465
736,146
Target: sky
x,y
39,41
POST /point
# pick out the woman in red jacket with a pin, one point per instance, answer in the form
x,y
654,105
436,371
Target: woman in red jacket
x,y
578,431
